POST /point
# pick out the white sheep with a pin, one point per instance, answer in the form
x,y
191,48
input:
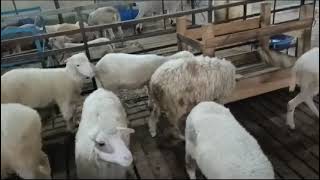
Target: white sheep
x,y
103,139
233,12
38,88
76,38
305,73
178,85
21,143
221,147
154,7
129,71
95,52
105,15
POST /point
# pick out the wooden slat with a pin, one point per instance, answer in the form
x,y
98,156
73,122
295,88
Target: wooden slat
x,y
140,160
266,140
256,33
300,126
260,84
191,42
157,162
226,28
291,144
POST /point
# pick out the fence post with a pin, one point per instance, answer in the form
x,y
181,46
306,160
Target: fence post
x,y
207,33
57,5
265,21
304,42
181,29
85,41
210,11
193,15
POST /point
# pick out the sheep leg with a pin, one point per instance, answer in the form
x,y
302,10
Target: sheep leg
x,y
312,106
110,31
67,111
44,168
191,166
291,107
139,28
153,120
121,34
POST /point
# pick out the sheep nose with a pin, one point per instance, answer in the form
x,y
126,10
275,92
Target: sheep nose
x,y
127,158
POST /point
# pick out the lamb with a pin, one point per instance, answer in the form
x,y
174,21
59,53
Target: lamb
x,y
119,70
38,88
105,15
305,73
21,143
178,85
95,52
221,147
103,138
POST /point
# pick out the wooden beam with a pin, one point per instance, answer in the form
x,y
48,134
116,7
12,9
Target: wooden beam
x,y
264,22
261,84
191,42
226,28
207,34
257,33
181,30
304,42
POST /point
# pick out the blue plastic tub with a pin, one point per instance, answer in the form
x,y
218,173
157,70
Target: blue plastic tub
x,y
127,12
281,42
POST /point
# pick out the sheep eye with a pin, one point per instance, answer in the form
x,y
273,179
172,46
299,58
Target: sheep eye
x,y
101,144
78,65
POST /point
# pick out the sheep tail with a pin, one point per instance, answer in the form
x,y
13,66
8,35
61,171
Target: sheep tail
x,y
293,81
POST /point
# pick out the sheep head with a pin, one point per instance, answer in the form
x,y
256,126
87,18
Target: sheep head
x,y
110,146
79,64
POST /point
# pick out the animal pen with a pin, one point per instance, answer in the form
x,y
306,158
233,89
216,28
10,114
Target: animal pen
x,y
258,72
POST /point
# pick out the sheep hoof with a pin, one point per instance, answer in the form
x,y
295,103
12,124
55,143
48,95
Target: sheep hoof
x,y
153,133
139,30
291,125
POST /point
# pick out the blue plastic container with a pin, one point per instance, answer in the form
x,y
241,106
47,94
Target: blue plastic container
x,y
281,42
127,12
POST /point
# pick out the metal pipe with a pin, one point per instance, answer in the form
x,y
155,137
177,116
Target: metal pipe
x,y
84,37
15,6
163,12
193,15
274,8
210,11
57,5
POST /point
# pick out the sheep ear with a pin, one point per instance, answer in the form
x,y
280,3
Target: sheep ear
x,y
126,130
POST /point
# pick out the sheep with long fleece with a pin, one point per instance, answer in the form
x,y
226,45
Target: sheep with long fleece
x,y
129,71
103,138
95,52
38,88
305,73
178,85
221,147
21,143
105,15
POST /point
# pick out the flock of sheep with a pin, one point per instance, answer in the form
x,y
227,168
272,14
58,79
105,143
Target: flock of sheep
x,y
185,87
188,89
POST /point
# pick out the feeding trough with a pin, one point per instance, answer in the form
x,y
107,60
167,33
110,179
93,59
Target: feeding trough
x,y
281,42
